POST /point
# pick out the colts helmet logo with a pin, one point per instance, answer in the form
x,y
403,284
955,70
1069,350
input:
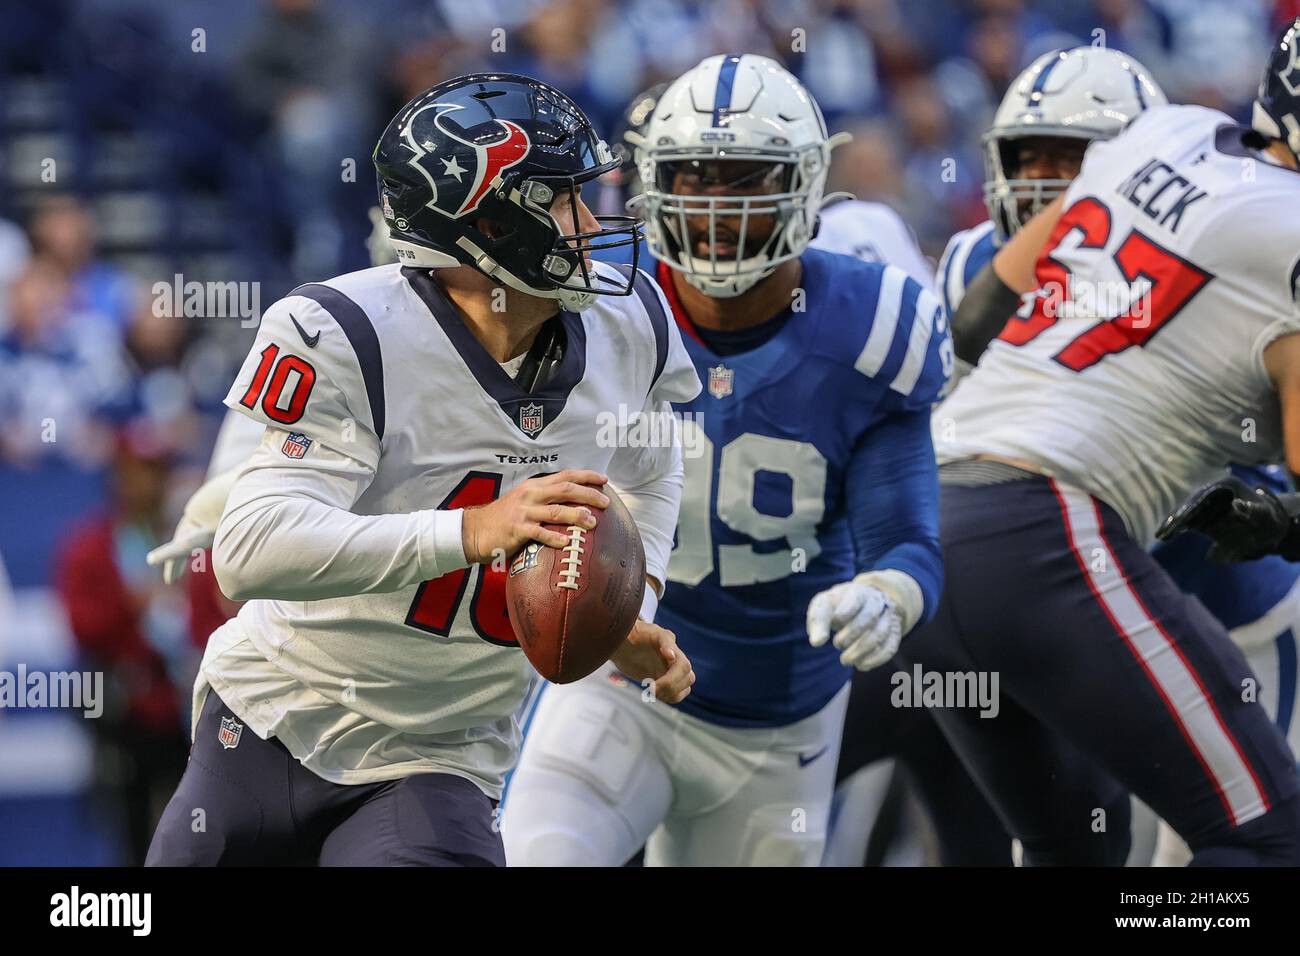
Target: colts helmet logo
x,y
445,153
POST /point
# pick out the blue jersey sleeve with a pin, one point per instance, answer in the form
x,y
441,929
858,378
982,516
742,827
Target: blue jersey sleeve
x,y
892,498
908,348
968,252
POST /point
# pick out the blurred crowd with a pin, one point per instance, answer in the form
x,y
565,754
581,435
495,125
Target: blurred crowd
x,y
142,140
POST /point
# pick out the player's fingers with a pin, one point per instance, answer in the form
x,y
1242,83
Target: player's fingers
x,y
172,570
668,646
578,476
563,514
867,607
1207,508
861,636
164,552
818,619
531,531
576,494
676,683
180,547
881,647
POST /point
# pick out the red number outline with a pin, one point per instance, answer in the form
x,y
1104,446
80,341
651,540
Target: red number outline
x,y
1174,282
301,390
437,601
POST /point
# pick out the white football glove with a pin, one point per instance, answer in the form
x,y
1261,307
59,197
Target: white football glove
x,y
869,616
197,527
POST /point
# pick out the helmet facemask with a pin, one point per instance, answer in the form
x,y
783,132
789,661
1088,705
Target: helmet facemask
x,y
703,204
1011,198
566,265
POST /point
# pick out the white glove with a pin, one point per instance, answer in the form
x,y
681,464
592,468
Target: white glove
x,y
197,527
869,615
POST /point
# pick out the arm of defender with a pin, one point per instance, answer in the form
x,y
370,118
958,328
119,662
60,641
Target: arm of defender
x,y
892,492
994,295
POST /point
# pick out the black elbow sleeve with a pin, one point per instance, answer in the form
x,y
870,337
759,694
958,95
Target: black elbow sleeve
x,y
983,311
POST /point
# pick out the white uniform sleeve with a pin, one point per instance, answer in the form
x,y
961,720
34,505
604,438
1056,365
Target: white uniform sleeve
x,y
873,232
236,439
288,532
649,474
649,480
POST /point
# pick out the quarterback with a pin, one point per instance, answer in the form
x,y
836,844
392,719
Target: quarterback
x,y
423,420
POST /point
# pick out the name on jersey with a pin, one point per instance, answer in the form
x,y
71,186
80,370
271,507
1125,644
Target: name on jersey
x,y
528,459
1161,192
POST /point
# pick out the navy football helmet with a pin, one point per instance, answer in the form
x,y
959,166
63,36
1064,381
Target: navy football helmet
x,y
469,172
1277,107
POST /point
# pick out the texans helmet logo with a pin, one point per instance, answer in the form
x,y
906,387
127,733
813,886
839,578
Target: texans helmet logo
x,y
466,169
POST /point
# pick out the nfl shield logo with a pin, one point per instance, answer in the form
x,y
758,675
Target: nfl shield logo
x,y
527,559
229,732
530,419
296,445
720,381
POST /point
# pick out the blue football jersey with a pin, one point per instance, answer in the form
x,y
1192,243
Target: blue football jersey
x,y
966,254
808,460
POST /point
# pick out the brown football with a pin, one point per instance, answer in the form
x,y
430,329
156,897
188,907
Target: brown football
x,y
572,607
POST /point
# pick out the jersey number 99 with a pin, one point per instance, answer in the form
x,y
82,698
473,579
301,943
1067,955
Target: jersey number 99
x,y
737,469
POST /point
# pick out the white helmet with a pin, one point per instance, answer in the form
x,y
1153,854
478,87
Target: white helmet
x,y
747,109
1086,93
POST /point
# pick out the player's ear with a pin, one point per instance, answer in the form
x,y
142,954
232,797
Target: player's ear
x,y
490,228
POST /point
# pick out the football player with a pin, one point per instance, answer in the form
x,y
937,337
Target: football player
x,y
1114,392
423,420
1256,602
806,542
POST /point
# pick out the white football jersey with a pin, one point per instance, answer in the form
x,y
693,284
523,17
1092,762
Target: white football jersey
x,y
1137,372
379,401
872,232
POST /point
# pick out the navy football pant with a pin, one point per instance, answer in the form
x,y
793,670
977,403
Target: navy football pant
x,y
255,804
966,827
1111,680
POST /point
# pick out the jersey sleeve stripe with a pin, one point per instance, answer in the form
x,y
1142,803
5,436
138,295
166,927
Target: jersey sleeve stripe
x,y
945,271
918,342
354,322
653,303
889,301
955,288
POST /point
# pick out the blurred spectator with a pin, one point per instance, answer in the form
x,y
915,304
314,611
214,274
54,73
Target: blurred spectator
x,y
132,628
870,166
63,235
941,173
307,79
15,252
56,379
160,391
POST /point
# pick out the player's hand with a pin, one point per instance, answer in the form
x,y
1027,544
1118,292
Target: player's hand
x,y
651,652
1244,523
570,497
196,529
867,626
